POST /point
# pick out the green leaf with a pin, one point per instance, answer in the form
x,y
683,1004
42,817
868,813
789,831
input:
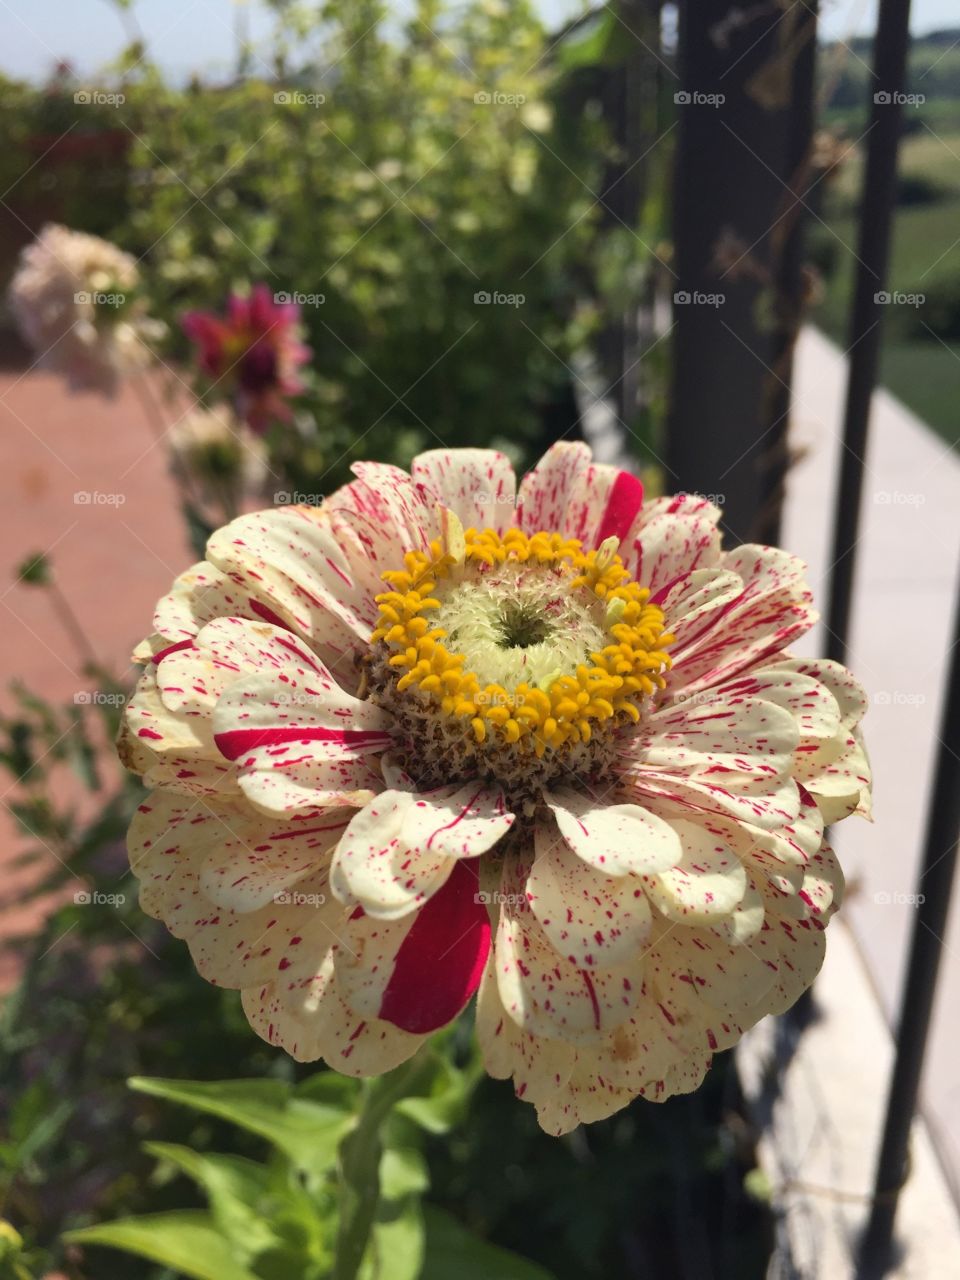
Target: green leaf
x,y
398,1243
587,44
444,1101
307,1132
186,1240
236,1189
453,1251
403,1171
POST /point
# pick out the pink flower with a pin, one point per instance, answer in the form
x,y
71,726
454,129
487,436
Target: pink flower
x,y
253,352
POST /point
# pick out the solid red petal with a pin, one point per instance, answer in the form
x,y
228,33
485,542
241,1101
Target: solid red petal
x,y
235,742
623,503
441,960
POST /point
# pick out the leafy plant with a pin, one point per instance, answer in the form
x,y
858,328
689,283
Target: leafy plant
x,y
422,197
338,1194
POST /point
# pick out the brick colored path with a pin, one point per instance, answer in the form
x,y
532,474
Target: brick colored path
x,y
112,558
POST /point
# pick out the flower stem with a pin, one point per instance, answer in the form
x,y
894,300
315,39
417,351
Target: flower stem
x,y
358,1171
72,625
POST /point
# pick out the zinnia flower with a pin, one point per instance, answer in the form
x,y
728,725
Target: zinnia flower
x,y
253,352
220,455
75,299
442,737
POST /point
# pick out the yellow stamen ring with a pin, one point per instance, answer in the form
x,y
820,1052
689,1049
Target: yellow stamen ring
x,y
622,674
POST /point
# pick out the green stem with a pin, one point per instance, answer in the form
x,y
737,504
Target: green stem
x,y
72,625
358,1171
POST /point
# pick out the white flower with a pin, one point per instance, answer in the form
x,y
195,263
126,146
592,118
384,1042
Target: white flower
x,y
566,763
220,454
75,298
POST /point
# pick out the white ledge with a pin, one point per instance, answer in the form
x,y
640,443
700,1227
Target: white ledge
x,y
819,1099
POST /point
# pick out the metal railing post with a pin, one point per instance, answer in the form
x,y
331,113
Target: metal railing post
x,y
926,947
873,251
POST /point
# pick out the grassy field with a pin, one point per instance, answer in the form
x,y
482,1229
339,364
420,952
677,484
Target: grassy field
x,y
920,366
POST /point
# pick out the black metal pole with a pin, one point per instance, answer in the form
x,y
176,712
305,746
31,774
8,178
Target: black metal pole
x,y
876,216
926,947
787,245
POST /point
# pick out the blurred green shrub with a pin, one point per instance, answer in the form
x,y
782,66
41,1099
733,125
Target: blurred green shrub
x,y
939,314
392,187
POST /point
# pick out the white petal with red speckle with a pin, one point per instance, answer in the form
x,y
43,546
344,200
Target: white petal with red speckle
x,y
401,847
708,881
568,492
310,1019
617,839
478,485
543,992
592,920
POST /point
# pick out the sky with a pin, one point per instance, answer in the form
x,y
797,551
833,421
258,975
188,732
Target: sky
x,y
197,35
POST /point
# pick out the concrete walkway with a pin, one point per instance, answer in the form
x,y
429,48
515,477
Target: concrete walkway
x,y
906,581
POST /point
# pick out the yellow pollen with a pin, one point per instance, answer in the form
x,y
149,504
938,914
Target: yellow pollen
x,y
531,718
